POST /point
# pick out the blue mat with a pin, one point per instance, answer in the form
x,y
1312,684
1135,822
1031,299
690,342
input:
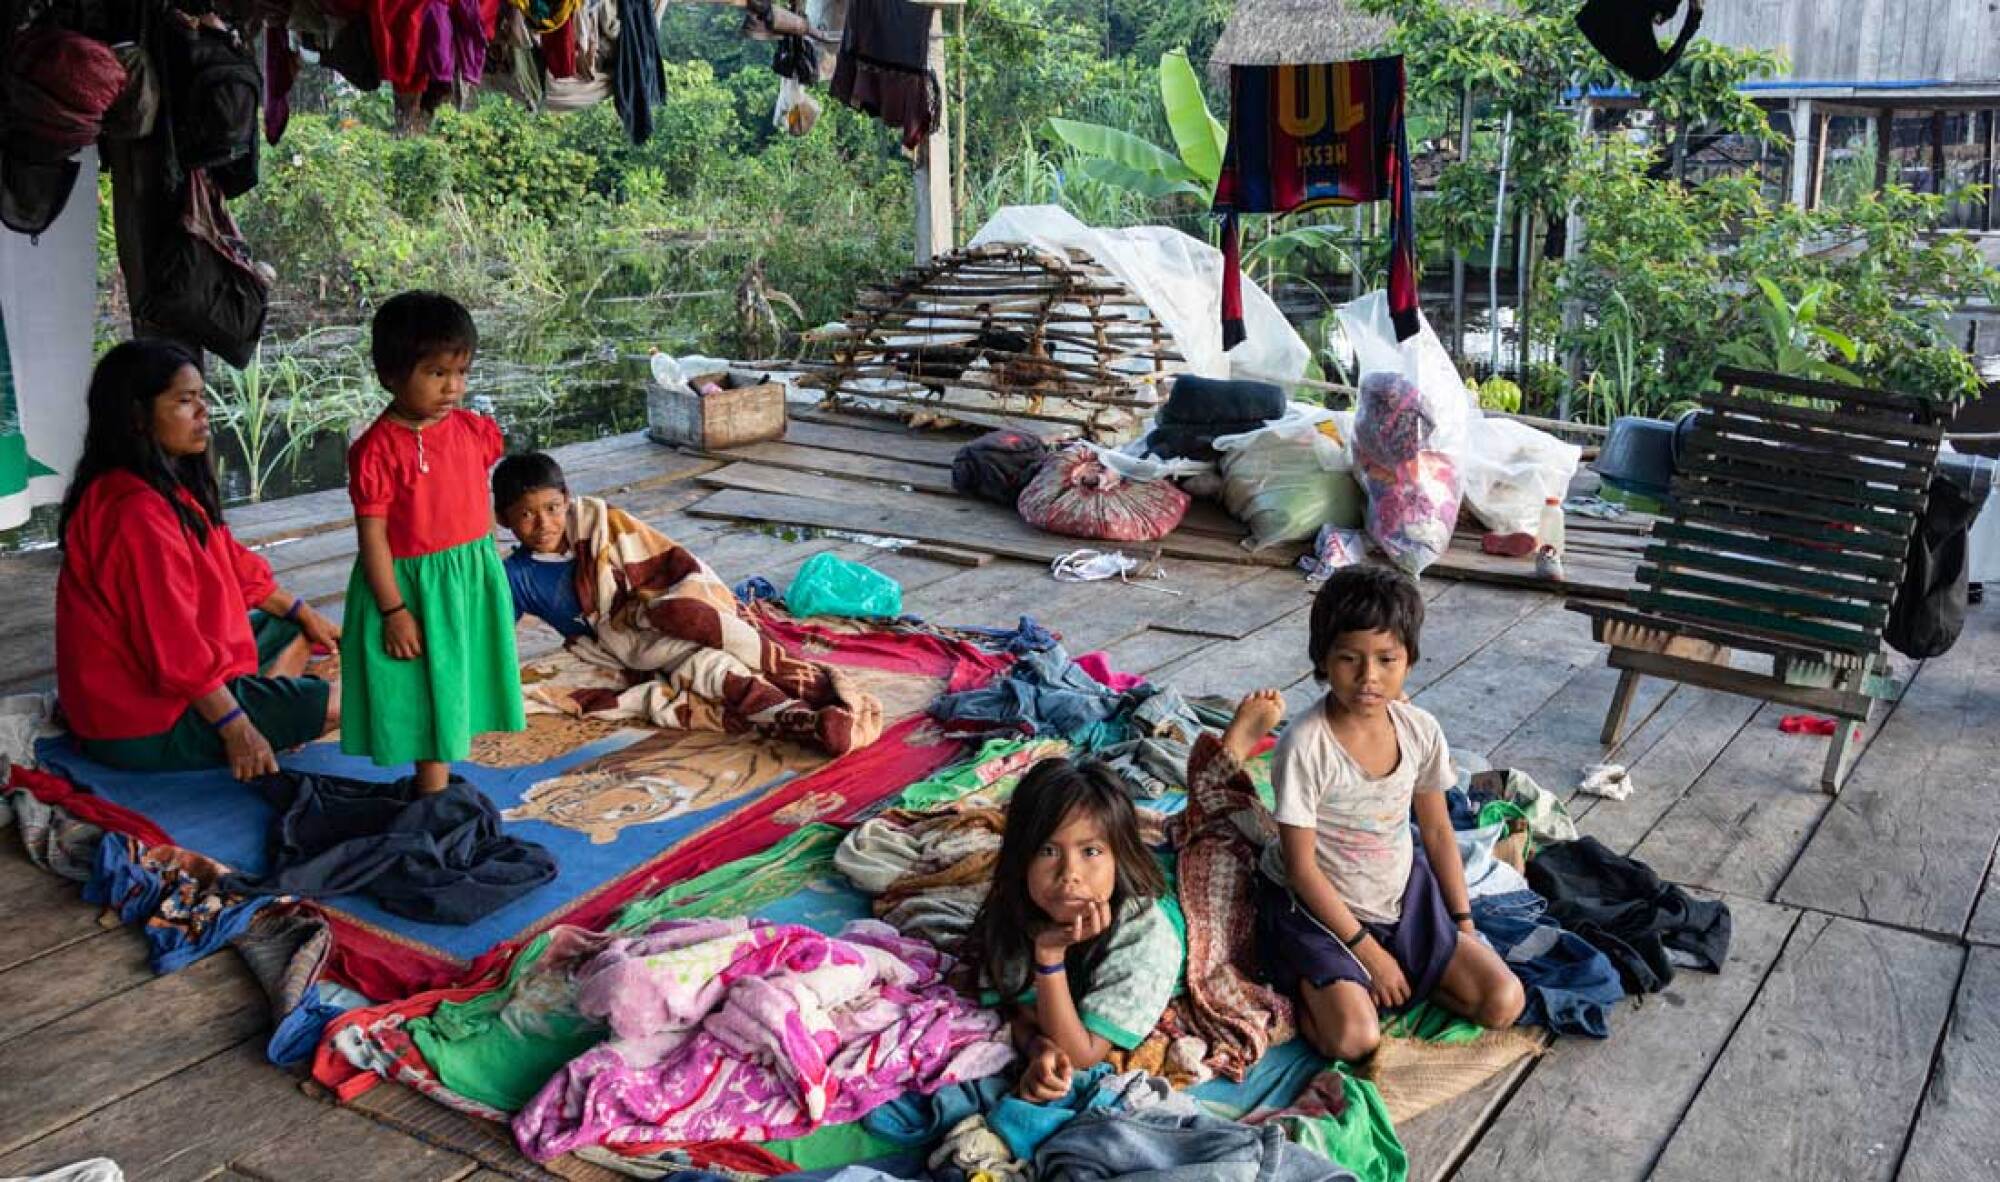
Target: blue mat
x,y
211,814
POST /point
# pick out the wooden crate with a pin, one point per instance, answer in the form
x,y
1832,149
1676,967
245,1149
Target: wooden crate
x,y
747,410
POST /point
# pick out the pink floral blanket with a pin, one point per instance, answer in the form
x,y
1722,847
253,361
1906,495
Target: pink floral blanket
x,y
736,1029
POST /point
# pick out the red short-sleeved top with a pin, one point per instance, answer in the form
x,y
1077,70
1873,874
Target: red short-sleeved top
x,y
430,485
148,617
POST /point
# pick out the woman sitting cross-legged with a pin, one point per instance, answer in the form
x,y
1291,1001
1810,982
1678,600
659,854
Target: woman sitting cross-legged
x,y
175,646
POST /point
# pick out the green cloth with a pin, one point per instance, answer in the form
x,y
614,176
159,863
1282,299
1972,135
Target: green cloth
x,y
986,769
466,683
744,886
1432,1023
1522,799
481,1051
831,1146
1361,1138
288,711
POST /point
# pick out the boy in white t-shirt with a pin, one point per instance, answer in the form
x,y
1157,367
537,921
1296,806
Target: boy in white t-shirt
x,y
1354,917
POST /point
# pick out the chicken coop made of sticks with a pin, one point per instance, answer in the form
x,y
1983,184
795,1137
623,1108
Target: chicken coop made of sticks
x,y
1001,329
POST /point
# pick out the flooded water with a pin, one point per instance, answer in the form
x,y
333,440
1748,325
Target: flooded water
x,y
282,427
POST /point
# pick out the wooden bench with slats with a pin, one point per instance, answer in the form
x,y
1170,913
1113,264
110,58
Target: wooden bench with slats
x,y
1792,512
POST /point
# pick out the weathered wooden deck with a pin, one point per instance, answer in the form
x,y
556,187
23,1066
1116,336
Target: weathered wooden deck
x,y
1854,1035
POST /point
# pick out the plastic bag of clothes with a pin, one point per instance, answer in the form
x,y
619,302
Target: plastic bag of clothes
x,y
1289,478
998,465
829,585
1078,495
1409,434
1412,487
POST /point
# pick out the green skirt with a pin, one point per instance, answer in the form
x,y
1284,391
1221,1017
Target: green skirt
x,y
468,680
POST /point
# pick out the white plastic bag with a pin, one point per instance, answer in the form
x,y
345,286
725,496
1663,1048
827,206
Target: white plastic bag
x,y
797,109
1290,477
1510,471
1410,434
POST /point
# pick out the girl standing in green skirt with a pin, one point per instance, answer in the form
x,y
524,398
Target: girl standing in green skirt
x,y
427,656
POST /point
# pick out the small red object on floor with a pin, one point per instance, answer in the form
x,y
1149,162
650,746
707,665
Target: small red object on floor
x,y
1508,545
1807,724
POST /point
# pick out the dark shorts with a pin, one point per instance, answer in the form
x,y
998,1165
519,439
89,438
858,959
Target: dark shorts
x,y
1295,948
288,711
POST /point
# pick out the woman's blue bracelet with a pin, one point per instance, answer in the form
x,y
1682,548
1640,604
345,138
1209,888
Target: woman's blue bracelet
x,y
1049,970
292,612
235,712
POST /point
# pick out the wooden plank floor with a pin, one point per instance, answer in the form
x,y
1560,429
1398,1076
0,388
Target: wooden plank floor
x,y
1855,1032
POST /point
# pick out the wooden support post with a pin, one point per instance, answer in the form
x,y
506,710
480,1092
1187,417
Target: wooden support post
x,y
1823,126
1621,705
1805,137
933,171
1885,142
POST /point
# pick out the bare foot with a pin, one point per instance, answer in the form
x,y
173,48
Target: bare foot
x,y
1255,716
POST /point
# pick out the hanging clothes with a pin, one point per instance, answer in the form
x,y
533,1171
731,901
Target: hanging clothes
x,y
638,80
884,67
559,52
1312,136
422,44
48,294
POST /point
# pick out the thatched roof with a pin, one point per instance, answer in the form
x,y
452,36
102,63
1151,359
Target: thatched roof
x,y
1297,32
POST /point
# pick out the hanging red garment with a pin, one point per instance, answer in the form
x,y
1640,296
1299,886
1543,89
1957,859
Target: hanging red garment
x,y
559,50
421,43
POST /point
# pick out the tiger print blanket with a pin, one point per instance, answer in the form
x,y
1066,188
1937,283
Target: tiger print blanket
x,y
691,656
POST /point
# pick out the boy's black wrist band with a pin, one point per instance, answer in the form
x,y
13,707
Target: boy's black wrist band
x,y
1460,916
1354,941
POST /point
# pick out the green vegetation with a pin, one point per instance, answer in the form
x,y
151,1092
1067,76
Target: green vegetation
x,y
583,250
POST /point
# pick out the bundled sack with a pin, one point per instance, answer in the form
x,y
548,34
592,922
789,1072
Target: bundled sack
x,y
1287,479
1410,434
1199,410
998,465
1078,495
1510,472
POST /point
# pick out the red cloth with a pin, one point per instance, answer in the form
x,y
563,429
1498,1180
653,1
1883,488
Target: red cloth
x,y
1807,724
147,618
559,49
434,500
56,791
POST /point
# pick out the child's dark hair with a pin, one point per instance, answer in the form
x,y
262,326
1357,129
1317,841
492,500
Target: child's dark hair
x,y
518,475
413,325
1003,934
1364,599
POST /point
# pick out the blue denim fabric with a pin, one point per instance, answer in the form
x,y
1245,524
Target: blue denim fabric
x,y
1044,693
1571,986
1168,1148
914,1119
1020,640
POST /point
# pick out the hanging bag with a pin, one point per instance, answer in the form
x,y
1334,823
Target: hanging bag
x,y
202,286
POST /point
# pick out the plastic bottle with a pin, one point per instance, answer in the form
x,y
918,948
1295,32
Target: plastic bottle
x,y
1550,532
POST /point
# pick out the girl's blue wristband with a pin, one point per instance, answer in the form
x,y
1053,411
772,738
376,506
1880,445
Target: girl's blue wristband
x,y
292,612
234,714
1049,970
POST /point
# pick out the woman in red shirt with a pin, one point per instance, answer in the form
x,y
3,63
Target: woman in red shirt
x,y
175,646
